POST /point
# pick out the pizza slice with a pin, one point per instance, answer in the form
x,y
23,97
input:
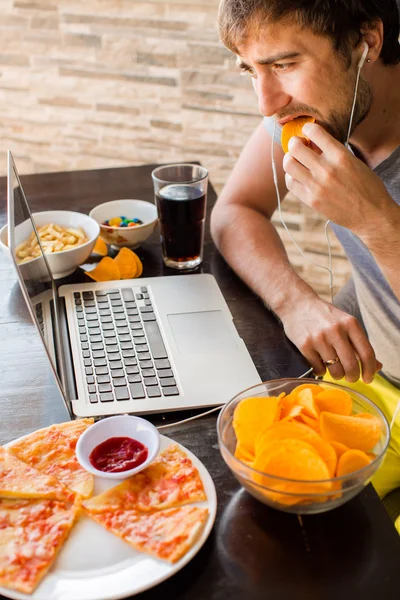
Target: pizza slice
x,y
32,534
171,480
52,451
19,480
165,534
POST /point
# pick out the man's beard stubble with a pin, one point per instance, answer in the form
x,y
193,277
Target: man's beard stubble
x,y
338,124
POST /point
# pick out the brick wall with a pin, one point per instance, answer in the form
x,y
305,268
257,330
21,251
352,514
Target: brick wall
x,y
102,83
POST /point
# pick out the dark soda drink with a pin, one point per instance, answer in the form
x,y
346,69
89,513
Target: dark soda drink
x,y
182,211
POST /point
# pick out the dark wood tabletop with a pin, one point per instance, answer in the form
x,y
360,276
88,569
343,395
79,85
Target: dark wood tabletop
x,y
253,552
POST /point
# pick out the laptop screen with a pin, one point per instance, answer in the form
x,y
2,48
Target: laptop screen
x,y
34,274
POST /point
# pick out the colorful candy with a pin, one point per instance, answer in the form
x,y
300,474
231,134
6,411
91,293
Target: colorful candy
x,y
122,222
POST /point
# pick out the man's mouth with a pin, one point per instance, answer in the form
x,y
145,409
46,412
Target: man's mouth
x,y
291,118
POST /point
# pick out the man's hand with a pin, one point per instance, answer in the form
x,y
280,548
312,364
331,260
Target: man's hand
x,y
332,181
323,332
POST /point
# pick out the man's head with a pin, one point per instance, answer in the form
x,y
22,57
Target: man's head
x,y
303,54
342,21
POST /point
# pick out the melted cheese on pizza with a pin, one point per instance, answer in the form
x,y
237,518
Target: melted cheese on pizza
x,y
171,480
31,534
52,451
166,534
19,480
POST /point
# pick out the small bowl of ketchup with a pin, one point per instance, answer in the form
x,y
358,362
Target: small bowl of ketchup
x,y
118,447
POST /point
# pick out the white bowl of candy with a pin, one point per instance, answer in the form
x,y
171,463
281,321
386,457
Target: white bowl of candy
x,y
126,222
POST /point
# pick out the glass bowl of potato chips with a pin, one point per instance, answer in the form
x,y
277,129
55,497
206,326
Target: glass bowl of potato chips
x,y
67,239
302,445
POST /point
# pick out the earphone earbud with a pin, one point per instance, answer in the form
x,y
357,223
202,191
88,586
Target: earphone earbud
x,y
363,56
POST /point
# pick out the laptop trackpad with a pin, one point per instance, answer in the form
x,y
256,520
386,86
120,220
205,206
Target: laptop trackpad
x,y
202,332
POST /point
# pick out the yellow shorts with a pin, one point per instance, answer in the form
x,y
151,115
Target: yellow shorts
x,y
386,396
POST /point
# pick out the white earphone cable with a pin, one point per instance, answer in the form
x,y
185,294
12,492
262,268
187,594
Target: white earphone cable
x,y
278,196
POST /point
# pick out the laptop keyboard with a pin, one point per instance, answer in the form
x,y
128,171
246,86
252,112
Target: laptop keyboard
x,y
123,352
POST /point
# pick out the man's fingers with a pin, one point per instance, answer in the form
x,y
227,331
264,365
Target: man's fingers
x,y
348,359
295,169
364,351
315,361
304,154
329,353
321,138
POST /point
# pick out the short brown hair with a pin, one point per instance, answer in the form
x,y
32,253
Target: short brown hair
x,y
339,20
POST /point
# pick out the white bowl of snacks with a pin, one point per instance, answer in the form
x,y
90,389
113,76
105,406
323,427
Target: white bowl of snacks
x,y
118,447
67,238
125,222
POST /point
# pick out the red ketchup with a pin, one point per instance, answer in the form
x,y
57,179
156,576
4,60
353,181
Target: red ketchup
x,y
118,454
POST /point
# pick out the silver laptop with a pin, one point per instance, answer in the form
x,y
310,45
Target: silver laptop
x,y
134,346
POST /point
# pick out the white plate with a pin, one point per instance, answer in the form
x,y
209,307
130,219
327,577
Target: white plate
x,y
95,564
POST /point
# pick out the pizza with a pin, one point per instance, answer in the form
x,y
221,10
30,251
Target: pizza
x,y
19,480
52,451
42,488
165,534
171,480
31,535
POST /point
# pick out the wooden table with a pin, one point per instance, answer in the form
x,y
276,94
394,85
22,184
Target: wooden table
x,y
253,552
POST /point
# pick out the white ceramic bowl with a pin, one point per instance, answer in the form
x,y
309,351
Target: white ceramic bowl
x,y
61,263
130,237
118,426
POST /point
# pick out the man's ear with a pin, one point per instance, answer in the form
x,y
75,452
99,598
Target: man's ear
x,y
372,34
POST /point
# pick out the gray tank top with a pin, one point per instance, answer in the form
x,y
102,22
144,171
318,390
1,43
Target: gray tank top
x,y
379,307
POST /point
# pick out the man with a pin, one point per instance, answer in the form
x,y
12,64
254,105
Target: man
x,y
303,58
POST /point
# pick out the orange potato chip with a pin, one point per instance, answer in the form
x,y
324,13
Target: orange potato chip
x,y
296,460
287,403
306,399
251,416
294,412
106,270
338,448
315,389
100,247
292,128
313,423
360,431
127,264
242,454
351,461
335,401
292,430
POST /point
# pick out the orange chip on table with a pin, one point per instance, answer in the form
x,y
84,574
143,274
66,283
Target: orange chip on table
x,y
106,270
335,401
351,461
100,247
126,261
294,127
253,415
361,431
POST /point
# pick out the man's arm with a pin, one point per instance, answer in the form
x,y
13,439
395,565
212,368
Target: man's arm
x,y
242,230
343,189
